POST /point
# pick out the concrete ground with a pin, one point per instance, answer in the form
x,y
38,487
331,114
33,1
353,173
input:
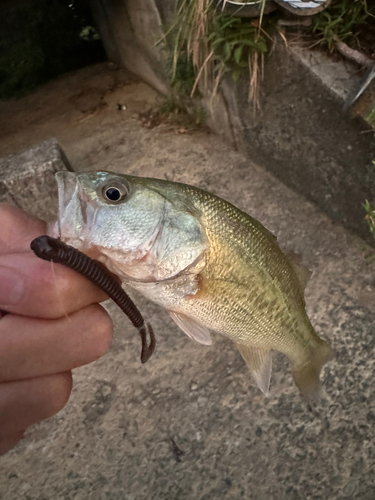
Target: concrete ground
x,y
114,438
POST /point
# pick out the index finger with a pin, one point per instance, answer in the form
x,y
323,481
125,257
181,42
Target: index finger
x,y
18,229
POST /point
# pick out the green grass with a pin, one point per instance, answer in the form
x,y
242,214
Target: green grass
x,y
370,216
371,117
342,20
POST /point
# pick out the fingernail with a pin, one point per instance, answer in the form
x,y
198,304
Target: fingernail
x,y
11,287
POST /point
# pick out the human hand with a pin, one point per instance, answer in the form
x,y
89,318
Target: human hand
x,y
50,323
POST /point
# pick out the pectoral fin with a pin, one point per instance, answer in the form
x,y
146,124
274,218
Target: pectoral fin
x,y
260,363
192,329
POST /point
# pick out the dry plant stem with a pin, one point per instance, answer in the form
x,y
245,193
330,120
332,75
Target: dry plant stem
x,y
216,86
200,72
256,70
353,55
197,45
283,37
261,15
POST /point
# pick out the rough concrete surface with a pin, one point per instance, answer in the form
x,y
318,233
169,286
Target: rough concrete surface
x,y
130,32
113,439
27,179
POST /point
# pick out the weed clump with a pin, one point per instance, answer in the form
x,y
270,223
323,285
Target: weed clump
x,y
349,21
212,44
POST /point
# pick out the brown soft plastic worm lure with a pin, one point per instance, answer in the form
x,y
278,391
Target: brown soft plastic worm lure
x,y
55,250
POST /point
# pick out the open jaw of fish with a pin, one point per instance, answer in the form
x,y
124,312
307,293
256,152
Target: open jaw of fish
x,y
210,265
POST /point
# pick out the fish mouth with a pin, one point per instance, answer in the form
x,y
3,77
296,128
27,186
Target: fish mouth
x,y
77,212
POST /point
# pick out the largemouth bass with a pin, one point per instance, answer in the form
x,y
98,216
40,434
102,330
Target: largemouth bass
x,y
210,265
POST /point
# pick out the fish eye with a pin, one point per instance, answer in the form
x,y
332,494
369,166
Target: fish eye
x,y
115,192
112,194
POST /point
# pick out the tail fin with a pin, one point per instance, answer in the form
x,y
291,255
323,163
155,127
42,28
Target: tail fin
x,y
306,375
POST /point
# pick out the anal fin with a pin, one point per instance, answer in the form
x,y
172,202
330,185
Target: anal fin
x,y
192,328
259,362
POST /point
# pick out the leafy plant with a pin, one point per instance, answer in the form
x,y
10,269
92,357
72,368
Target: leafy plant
x,y
238,45
216,44
89,33
232,38
340,21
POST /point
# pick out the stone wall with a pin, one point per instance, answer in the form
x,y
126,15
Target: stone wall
x,y
130,31
304,137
